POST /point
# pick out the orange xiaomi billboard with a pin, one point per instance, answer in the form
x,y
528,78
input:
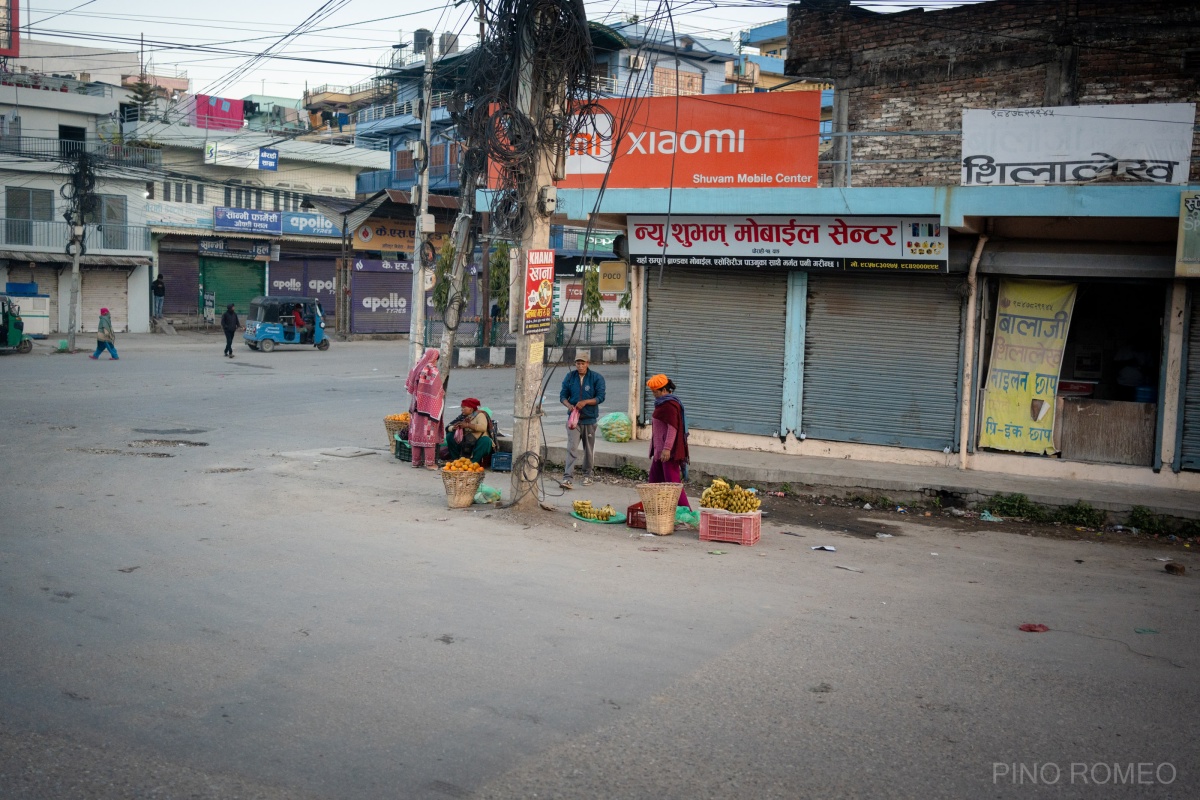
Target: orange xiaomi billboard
x,y
762,140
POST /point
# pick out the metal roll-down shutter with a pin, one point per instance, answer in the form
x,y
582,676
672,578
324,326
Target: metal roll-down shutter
x,y
1190,439
881,359
720,337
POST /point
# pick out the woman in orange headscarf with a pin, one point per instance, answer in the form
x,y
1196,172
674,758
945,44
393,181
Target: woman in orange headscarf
x,y
668,442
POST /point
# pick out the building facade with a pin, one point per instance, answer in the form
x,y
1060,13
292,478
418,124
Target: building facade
x,y
813,343
45,121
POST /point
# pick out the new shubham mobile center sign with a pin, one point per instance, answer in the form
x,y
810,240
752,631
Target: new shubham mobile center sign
x,y
699,141
813,244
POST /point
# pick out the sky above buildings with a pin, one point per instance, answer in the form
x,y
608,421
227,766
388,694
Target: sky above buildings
x,y
278,47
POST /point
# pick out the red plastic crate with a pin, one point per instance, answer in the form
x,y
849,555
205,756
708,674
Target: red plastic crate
x,y
722,526
635,516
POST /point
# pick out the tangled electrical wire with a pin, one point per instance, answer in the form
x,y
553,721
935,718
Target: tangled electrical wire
x,y
523,95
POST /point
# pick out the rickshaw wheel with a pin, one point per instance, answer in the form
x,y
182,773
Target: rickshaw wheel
x,y
26,346
267,345
323,345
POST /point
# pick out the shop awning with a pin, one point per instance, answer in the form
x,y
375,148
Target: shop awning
x,y
87,261
166,230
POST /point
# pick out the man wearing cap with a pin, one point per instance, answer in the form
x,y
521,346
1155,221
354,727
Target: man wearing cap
x,y
582,390
469,433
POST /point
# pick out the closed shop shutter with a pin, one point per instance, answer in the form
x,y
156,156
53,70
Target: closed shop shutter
x,y
720,337
181,273
881,359
380,302
46,279
286,278
319,273
233,281
1190,440
104,288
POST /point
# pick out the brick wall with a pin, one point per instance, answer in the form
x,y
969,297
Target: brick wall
x,y
917,70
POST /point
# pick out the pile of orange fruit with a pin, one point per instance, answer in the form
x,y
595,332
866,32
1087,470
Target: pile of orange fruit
x,y
463,465
401,418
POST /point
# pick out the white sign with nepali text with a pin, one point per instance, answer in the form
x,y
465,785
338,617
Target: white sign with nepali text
x,y
1147,143
860,244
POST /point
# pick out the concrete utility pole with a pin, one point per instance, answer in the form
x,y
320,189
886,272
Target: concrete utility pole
x,y
527,405
79,193
424,220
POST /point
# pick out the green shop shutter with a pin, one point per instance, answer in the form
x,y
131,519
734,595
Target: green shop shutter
x,y
1190,439
881,359
719,336
233,281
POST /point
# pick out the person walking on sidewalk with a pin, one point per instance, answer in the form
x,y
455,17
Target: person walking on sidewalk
x,y
582,391
668,442
158,290
105,338
229,324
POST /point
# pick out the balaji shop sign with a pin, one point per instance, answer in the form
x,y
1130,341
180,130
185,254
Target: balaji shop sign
x,y
859,244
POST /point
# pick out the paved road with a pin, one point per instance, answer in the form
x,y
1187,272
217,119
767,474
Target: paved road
x,y
257,618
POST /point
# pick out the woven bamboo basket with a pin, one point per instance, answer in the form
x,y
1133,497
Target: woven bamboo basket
x,y
461,487
659,501
393,427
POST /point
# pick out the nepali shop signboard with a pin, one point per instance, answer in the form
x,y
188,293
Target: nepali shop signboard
x,y
247,220
698,141
539,291
1032,319
1077,144
231,155
1187,253
815,244
394,235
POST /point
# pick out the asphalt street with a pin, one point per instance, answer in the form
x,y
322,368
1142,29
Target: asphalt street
x,y
202,596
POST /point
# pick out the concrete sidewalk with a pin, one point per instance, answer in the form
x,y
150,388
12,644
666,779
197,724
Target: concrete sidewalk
x,y
844,477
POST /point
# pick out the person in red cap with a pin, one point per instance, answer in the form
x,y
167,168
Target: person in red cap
x,y
470,433
105,338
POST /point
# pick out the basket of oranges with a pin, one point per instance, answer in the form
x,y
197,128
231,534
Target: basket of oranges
x,y
396,424
461,477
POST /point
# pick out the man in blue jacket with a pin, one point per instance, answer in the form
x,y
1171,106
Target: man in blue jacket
x,y
583,390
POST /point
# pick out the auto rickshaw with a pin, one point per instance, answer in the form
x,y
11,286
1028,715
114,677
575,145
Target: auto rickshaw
x,y
271,322
12,328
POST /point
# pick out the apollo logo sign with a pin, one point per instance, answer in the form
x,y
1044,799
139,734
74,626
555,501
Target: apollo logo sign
x,y
321,286
393,303
291,285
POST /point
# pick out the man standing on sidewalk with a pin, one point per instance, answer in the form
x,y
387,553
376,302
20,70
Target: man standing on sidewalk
x,y
582,390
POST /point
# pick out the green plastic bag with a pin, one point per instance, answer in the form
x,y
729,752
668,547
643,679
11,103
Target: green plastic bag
x,y
685,516
616,427
486,494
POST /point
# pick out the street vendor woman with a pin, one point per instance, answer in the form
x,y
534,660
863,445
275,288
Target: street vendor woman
x,y
468,433
669,435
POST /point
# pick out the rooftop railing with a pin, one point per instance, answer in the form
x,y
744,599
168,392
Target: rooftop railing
x,y
52,235
49,83
50,149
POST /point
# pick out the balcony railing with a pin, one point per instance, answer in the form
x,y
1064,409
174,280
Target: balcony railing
x,y
441,178
51,235
408,107
48,83
65,149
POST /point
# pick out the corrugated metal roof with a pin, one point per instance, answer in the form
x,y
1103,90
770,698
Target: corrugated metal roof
x,y
87,261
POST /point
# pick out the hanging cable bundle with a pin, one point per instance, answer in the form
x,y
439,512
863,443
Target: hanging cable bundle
x,y
521,96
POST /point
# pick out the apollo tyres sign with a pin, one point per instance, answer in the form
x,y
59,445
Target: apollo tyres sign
x,y
766,140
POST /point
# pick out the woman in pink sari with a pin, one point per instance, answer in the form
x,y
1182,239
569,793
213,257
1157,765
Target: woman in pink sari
x,y
425,429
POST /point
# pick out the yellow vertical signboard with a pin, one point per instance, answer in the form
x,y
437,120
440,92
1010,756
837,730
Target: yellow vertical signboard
x,y
1032,319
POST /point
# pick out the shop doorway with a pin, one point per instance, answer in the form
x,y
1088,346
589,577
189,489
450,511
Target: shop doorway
x,y
1107,407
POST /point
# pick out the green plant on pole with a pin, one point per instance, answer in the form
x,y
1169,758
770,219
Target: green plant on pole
x,y
498,277
626,301
443,271
592,306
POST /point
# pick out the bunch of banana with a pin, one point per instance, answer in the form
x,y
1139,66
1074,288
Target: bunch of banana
x,y
731,498
584,509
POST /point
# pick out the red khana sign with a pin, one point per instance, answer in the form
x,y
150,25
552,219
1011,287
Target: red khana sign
x,y
539,291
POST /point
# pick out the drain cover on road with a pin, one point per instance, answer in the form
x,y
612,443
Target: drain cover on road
x,y
347,452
